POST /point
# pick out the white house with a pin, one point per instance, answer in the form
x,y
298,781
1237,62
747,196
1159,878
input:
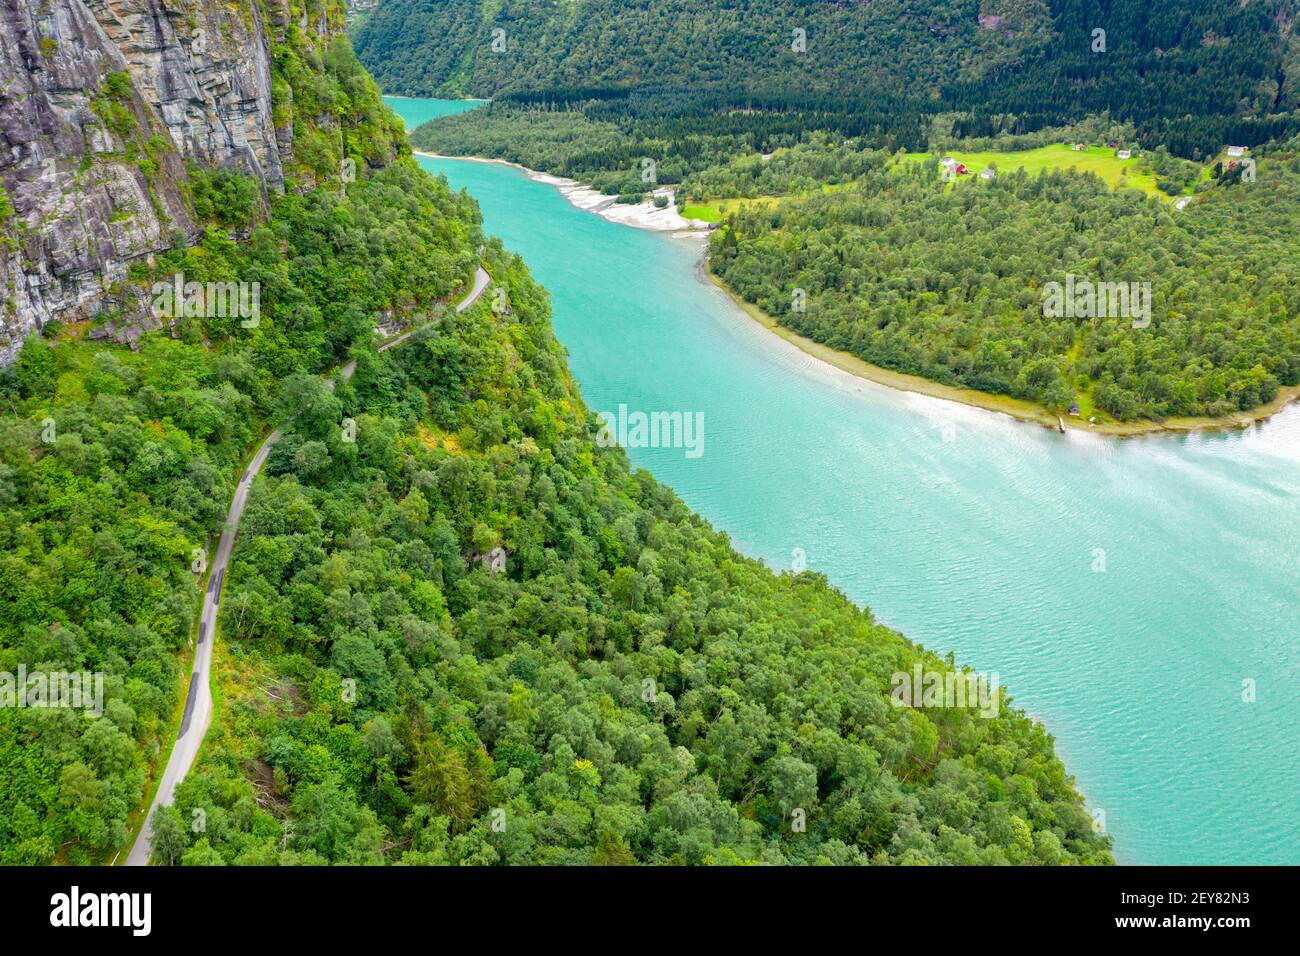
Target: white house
x,y
1123,154
1235,151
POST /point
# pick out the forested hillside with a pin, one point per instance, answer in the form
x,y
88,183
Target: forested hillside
x,y
604,154
104,507
1191,75
948,282
115,465
615,685
624,687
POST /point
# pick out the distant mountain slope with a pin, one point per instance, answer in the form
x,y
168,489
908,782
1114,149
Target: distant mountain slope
x,y
1030,57
608,45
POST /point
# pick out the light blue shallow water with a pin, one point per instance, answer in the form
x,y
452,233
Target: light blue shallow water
x,y
416,111
970,532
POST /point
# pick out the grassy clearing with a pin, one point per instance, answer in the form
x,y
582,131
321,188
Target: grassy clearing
x,y
1116,172
716,210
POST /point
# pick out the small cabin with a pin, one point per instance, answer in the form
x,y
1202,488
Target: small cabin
x,y
986,175
1236,151
1074,409
1077,147
1123,154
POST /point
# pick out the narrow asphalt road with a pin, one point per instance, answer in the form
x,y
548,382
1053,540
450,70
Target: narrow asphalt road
x,y
198,702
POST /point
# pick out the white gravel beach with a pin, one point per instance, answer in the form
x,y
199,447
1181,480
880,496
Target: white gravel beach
x,y
642,215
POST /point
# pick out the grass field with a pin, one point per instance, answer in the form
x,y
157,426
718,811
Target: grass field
x,y
716,210
1093,159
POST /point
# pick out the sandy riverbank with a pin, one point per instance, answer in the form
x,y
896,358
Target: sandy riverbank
x,y
1016,408
642,215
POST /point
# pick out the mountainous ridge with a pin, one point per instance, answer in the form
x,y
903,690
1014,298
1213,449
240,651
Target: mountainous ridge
x,y
1040,63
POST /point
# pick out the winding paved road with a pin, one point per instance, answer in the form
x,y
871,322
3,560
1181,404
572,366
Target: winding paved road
x,y
198,702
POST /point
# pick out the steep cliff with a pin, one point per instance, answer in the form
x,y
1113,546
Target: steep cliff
x,y
104,104
205,68
89,180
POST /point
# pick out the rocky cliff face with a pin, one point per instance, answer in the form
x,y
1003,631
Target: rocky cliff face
x,y
102,102
206,71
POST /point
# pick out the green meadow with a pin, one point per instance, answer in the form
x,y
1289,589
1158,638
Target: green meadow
x,y
716,210
1101,160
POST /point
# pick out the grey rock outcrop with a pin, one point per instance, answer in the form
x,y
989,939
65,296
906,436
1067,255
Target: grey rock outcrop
x,y
102,102
206,74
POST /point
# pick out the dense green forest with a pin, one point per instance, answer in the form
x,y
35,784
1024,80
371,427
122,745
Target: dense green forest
x,y
571,143
115,466
623,687
948,281
102,510
1190,75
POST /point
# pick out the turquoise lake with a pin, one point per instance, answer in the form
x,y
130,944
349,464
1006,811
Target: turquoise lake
x,y
417,111
971,532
